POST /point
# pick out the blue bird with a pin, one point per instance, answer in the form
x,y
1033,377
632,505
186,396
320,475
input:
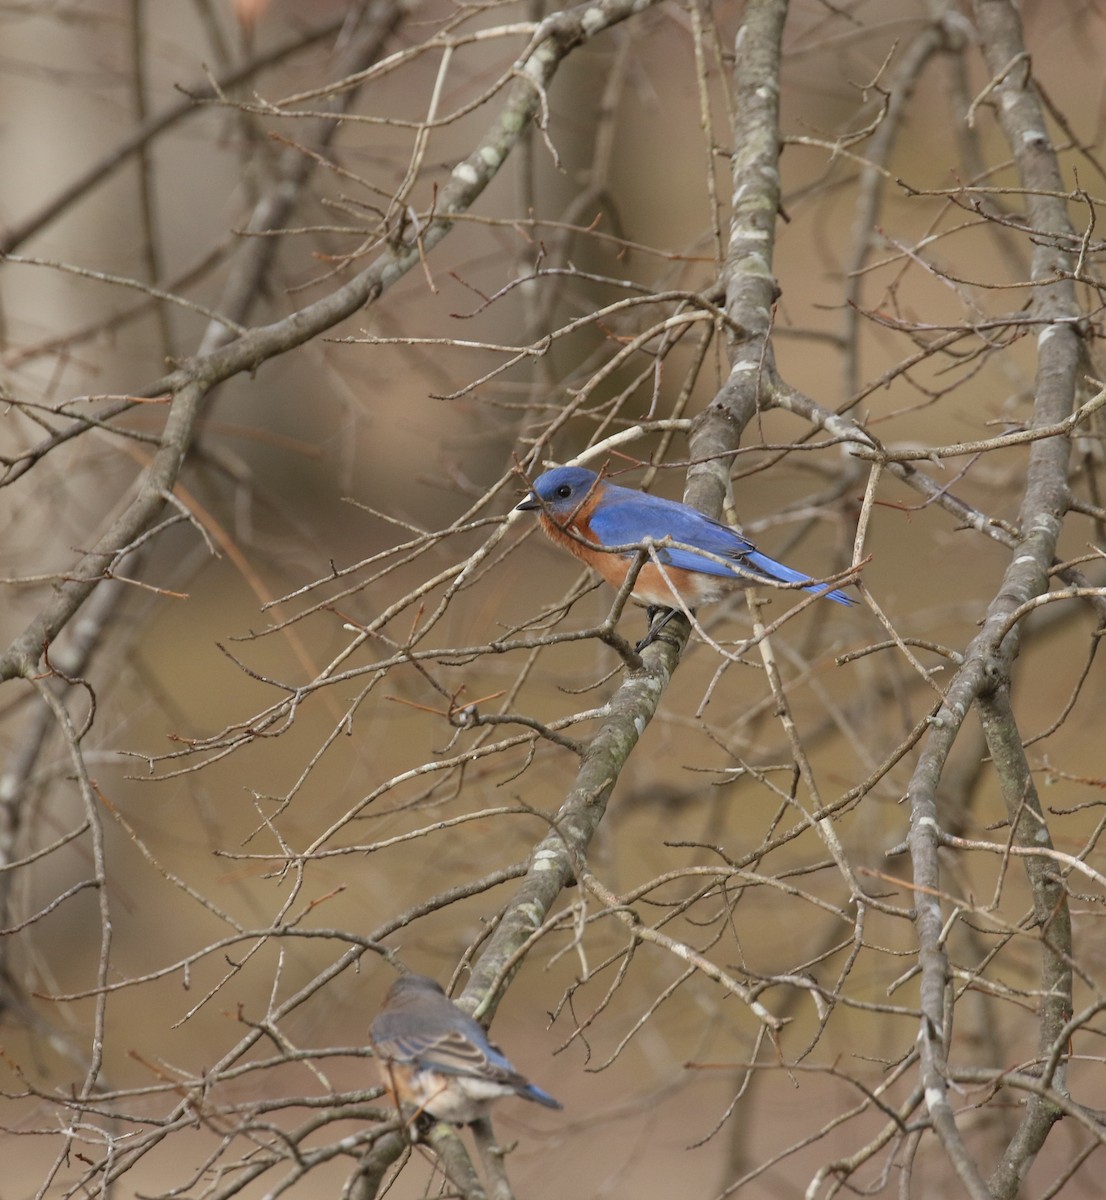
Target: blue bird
x,y
583,513
436,1057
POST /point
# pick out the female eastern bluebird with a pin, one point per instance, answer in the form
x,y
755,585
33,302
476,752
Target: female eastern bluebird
x,y
583,513
436,1057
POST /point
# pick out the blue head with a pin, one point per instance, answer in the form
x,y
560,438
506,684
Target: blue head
x,y
561,491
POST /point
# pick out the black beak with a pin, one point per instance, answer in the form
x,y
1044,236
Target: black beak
x,y
529,504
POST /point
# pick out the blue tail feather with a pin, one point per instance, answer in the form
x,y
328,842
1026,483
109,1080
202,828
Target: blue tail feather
x,y
533,1092
782,574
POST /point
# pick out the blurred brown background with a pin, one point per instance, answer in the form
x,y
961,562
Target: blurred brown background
x,y
284,466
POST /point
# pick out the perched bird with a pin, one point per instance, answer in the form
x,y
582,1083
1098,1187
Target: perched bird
x,y
436,1057
583,513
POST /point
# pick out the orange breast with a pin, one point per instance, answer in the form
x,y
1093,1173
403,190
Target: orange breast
x,y
650,587
612,567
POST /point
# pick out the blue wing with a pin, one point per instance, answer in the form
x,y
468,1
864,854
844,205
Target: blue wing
x,y
625,517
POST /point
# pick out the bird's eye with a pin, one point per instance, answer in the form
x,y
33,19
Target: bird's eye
x,y
564,491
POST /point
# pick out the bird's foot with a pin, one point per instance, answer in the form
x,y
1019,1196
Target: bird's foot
x,y
655,634
420,1125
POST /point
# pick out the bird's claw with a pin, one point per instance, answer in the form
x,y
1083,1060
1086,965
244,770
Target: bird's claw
x,y
655,634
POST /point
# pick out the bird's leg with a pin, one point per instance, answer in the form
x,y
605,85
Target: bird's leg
x,y
420,1125
654,634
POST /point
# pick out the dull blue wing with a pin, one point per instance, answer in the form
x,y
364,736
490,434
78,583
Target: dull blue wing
x,y
449,1052
452,1050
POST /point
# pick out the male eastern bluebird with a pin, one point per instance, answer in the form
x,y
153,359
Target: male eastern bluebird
x,y
436,1057
583,513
